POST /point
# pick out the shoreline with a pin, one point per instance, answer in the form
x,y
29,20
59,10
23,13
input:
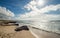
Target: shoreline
x,y
9,32
45,30
34,34
44,34
31,33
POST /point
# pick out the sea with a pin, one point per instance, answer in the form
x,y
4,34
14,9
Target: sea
x,y
51,26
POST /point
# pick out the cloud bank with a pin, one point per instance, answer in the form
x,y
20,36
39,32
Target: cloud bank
x,y
5,13
40,13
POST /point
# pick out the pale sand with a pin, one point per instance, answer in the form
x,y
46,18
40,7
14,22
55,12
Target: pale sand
x,y
24,34
8,32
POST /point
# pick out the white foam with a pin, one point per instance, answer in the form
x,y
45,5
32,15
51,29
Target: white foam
x,y
34,34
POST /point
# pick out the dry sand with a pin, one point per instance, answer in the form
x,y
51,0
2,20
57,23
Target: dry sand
x,y
8,32
24,34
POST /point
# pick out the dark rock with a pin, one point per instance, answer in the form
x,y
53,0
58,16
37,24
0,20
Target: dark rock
x,y
22,28
17,24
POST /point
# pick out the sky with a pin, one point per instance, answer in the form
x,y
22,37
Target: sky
x,y
36,10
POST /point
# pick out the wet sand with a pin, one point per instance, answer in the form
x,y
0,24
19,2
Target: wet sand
x,y
44,34
9,32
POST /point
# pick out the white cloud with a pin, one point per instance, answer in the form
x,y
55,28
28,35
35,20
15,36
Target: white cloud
x,y
41,12
34,4
5,13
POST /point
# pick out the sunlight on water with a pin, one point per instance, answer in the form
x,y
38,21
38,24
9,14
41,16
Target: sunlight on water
x,y
53,26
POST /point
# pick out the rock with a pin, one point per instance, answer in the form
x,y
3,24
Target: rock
x,y
22,28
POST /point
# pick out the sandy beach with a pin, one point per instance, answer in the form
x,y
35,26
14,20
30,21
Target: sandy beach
x,y
9,32
23,34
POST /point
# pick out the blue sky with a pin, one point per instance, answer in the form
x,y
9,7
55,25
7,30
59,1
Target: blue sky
x,y
14,5
19,7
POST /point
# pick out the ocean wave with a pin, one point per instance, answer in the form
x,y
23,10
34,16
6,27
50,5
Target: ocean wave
x,y
53,26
